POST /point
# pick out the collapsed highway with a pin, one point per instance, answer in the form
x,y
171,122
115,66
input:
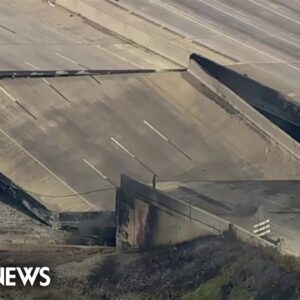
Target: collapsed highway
x,y
109,107
136,124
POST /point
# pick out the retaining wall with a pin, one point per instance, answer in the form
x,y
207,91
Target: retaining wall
x,y
146,218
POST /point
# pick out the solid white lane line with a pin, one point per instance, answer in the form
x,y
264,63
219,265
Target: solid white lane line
x,y
31,65
95,169
122,147
248,23
156,131
66,58
7,94
196,21
46,168
275,11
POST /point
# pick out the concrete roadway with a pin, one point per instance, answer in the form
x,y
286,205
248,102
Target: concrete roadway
x,y
63,136
264,35
247,203
34,35
71,135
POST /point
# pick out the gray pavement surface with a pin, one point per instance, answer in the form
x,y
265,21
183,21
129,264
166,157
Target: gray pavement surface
x,y
67,136
263,35
63,136
34,35
247,203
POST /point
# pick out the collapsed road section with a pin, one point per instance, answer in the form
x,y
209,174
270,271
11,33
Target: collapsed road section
x,y
76,135
25,220
278,107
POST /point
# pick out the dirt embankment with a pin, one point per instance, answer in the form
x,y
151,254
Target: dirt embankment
x,y
208,268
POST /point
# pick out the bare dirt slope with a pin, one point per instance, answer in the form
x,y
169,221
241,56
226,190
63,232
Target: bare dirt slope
x,y
208,268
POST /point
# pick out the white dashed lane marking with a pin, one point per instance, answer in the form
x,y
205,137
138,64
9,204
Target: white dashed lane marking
x,y
132,155
66,58
46,168
100,173
7,94
123,147
166,139
95,169
31,65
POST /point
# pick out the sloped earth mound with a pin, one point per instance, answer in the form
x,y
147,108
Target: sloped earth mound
x,y
207,268
210,268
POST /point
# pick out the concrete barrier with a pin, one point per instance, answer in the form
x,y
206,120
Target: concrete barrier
x,y
257,120
252,91
248,237
135,28
125,29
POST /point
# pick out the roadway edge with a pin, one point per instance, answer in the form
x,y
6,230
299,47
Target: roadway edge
x,y
277,135
138,29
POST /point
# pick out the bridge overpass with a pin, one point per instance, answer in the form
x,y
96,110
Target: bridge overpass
x,y
176,212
